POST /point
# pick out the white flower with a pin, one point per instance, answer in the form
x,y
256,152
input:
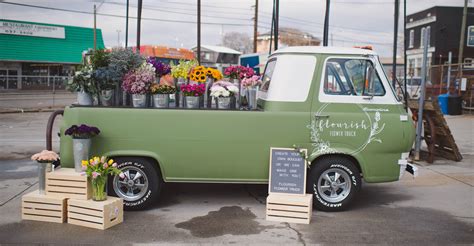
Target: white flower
x,y
233,89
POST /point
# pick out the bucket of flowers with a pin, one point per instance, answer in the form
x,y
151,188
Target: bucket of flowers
x,y
251,85
192,94
81,142
180,73
161,94
223,91
161,69
98,169
138,82
83,83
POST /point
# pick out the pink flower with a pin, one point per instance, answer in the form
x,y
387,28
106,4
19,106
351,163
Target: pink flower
x,y
83,168
122,175
83,173
95,175
105,165
103,159
114,165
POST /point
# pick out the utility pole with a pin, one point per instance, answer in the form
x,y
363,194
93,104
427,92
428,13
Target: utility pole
x,y
405,40
421,101
95,28
395,41
277,17
139,23
326,24
255,27
461,40
199,31
448,82
126,26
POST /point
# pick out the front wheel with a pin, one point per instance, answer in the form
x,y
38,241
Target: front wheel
x,y
141,185
334,182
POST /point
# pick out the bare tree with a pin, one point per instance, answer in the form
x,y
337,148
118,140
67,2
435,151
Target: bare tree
x,y
295,37
238,41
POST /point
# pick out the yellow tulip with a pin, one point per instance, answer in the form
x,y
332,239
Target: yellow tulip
x,y
85,162
111,161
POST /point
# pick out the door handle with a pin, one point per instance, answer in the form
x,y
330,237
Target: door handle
x,y
318,116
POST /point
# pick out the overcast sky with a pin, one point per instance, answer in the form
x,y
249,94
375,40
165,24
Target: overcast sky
x,y
172,22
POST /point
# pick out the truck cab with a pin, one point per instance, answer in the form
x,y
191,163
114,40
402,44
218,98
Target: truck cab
x,y
335,102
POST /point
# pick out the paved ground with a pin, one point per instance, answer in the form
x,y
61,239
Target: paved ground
x,y
34,100
436,208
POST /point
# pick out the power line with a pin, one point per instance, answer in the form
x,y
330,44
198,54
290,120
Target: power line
x,y
121,16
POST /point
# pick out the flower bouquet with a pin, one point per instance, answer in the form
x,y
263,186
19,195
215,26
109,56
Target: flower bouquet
x,y
198,74
192,93
182,69
223,91
250,85
81,142
161,69
238,72
83,83
98,169
138,83
44,159
161,94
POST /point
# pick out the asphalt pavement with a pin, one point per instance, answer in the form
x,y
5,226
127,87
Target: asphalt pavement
x,y
437,208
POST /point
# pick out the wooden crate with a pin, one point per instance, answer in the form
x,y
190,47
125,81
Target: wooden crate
x,y
43,208
99,215
290,208
67,183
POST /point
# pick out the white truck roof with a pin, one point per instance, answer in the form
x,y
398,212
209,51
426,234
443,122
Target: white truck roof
x,y
325,50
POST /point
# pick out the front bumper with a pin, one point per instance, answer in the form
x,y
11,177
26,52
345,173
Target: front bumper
x,y
405,166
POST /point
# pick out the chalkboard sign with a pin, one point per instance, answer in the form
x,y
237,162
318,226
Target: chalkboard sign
x,y
287,171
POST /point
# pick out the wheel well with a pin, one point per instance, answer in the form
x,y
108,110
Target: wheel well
x,y
349,157
151,159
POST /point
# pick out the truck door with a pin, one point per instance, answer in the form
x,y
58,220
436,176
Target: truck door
x,y
357,114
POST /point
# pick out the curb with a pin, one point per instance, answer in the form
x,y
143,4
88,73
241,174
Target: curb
x,y
28,110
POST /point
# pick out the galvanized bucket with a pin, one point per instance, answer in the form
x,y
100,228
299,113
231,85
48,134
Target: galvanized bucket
x,y
107,97
192,102
223,103
81,149
139,100
252,98
161,100
84,98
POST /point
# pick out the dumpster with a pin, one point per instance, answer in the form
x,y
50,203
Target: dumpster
x,y
443,103
454,105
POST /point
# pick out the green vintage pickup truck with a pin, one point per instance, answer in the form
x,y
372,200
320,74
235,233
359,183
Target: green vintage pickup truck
x,y
335,102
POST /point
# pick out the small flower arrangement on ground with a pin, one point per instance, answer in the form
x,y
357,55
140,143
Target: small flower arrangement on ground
x,y
45,156
195,90
238,72
182,69
223,89
82,132
82,81
156,88
139,80
251,82
198,74
98,169
161,69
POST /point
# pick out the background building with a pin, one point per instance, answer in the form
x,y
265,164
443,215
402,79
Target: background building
x,y
41,56
218,56
287,37
443,25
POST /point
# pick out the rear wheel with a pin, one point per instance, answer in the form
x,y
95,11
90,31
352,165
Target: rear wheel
x,y
334,182
141,185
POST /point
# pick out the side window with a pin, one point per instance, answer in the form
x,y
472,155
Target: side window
x,y
267,76
348,77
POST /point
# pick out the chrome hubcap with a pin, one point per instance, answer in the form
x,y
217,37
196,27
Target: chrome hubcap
x,y
133,186
334,185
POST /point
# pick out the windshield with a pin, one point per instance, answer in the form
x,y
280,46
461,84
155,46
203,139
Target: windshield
x,y
398,92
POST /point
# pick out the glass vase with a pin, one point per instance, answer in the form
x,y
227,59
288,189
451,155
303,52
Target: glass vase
x,y
98,188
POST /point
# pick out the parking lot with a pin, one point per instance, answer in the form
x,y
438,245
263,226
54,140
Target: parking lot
x,y
435,208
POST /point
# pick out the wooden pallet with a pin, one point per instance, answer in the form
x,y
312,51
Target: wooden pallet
x,y
67,183
437,134
290,208
99,215
43,208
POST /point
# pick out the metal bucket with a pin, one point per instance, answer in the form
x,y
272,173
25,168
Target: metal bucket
x,y
84,98
139,100
161,100
223,103
252,98
80,149
107,97
192,102
43,167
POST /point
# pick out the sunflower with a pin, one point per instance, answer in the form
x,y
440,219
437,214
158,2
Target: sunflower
x,y
202,78
210,71
199,68
197,72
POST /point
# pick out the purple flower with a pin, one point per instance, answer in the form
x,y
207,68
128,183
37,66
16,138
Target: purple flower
x,y
161,68
82,131
95,175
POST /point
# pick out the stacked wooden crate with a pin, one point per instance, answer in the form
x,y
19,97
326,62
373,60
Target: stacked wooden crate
x,y
68,199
